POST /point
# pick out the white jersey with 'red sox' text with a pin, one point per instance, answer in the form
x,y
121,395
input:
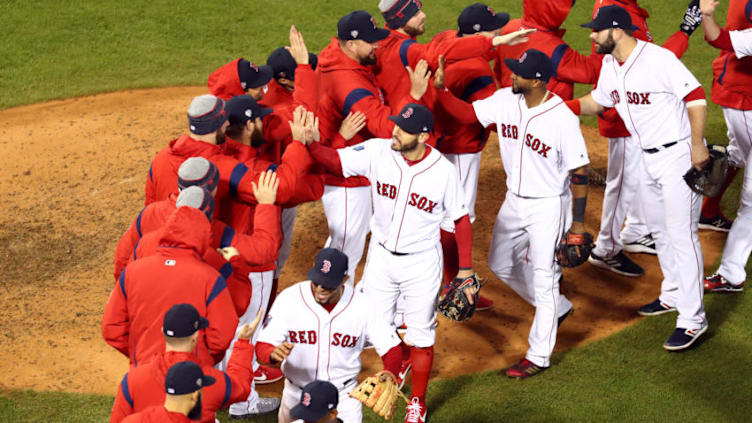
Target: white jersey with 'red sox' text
x,y
650,103
742,42
327,346
409,202
538,145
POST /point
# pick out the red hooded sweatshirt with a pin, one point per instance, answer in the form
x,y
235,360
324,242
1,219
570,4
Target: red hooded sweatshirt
x,y
148,287
225,81
347,86
468,80
257,248
157,414
234,176
305,92
732,77
144,386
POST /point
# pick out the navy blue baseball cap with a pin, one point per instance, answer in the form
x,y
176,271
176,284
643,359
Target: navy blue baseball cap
x,y
252,76
612,16
480,17
183,320
329,269
186,377
317,399
283,65
533,64
414,119
242,108
359,25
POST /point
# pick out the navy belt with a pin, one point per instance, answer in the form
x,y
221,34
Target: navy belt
x,y
659,148
394,253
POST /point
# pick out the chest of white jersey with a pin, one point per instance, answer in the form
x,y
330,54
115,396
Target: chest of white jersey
x,y
326,345
742,42
648,92
409,202
538,145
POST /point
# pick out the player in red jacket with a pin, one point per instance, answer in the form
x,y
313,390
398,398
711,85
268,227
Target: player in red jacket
x,y
620,201
239,77
148,287
183,386
144,386
348,85
256,248
284,68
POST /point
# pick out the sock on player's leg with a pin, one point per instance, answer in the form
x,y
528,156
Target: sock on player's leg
x,y
422,363
451,257
405,350
711,207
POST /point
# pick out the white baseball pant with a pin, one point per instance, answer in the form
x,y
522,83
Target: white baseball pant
x,y
349,410
468,168
287,222
739,242
261,283
348,214
675,231
621,199
525,235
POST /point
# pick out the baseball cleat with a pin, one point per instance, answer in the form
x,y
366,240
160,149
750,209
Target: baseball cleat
x,y
716,223
717,283
524,369
564,316
655,308
416,411
262,406
266,374
619,264
683,338
645,244
484,303
404,370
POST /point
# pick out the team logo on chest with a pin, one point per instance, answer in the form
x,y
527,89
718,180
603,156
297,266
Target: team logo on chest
x,y
421,202
302,336
537,145
509,131
386,190
344,341
638,98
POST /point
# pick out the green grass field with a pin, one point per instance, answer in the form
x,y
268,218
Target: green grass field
x,y
54,50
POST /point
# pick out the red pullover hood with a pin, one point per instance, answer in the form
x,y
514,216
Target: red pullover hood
x,y
332,58
184,147
225,81
187,228
545,15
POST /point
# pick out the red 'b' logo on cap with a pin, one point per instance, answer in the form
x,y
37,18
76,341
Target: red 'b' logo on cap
x,y
373,22
491,10
408,113
306,399
326,266
523,57
254,67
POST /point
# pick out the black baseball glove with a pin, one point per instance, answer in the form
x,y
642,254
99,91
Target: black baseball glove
x,y
708,181
454,304
574,249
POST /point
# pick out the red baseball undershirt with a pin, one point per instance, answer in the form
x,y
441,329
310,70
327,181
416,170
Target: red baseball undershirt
x,y
723,41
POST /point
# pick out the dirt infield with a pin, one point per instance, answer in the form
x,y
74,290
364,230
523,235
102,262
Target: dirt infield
x,y
75,174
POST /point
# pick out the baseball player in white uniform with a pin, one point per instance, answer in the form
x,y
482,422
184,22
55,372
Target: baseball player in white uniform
x,y
736,100
541,148
663,107
413,188
317,329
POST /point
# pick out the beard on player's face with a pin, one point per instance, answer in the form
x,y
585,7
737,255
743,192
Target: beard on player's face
x,y
416,25
518,86
219,137
325,296
404,142
607,46
257,134
195,413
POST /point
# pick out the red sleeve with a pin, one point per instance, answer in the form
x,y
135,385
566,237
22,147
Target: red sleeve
x,y
308,189
262,245
150,190
222,318
576,67
464,233
327,157
264,352
678,43
126,244
723,41
456,48
337,141
574,106
115,322
295,163
240,371
462,111
376,112
392,360
306,88
239,285
121,408
696,94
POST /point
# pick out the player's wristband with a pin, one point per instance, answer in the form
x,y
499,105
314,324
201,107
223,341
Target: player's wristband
x,y
578,211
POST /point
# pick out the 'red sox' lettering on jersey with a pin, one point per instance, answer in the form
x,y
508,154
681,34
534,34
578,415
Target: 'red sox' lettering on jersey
x,y
386,190
509,131
344,341
302,336
421,202
536,145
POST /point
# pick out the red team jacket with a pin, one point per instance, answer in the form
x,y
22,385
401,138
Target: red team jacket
x,y
148,287
257,248
732,77
157,414
468,80
144,387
